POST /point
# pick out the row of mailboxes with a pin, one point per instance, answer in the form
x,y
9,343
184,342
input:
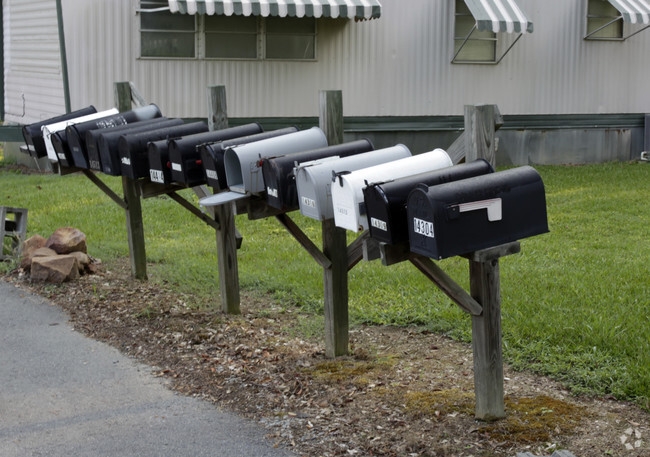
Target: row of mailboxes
x,y
439,209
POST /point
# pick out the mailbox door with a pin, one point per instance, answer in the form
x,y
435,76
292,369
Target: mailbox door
x,y
386,202
347,190
159,166
60,144
279,180
314,179
476,213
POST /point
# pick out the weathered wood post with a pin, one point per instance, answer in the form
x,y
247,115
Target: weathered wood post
x,y
134,226
224,215
335,277
486,337
481,122
480,125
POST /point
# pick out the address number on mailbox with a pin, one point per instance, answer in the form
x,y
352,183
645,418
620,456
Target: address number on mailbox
x,y
423,227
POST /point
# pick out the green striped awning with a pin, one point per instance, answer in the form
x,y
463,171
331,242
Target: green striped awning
x,y
357,9
500,16
633,11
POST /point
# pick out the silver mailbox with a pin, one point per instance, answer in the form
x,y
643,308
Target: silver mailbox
x,y
243,168
314,179
347,189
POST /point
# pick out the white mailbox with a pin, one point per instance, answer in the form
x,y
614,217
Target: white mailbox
x,y
314,179
347,189
243,168
56,128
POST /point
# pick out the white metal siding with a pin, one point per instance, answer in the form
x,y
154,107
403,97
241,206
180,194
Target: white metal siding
x,y
397,65
33,82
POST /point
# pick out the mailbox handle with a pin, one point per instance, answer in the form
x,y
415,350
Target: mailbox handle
x,y
339,174
493,207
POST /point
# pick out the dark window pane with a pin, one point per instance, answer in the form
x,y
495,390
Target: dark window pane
x,y
231,45
218,23
290,47
304,25
165,44
165,20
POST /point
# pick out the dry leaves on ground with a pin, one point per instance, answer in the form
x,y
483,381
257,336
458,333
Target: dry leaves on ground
x,y
402,392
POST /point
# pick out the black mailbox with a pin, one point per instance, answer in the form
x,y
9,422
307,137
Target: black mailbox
x,y
134,157
185,158
33,133
101,144
476,213
160,169
279,180
386,202
60,144
76,134
212,155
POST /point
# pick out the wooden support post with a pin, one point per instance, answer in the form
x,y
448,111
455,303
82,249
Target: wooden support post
x,y
481,122
486,339
134,225
335,285
224,215
335,278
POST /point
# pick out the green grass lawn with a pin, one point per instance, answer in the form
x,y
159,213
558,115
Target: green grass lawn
x,y
575,301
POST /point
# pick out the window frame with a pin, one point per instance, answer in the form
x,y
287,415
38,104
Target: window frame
x,y
467,38
201,39
618,18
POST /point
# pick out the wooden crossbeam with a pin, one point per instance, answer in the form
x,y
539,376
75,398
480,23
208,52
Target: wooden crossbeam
x,y
304,240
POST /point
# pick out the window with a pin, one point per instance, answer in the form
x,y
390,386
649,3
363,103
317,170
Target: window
x,y
480,46
163,34
602,23
231,37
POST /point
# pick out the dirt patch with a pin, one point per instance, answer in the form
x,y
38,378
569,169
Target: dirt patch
x,y
403,391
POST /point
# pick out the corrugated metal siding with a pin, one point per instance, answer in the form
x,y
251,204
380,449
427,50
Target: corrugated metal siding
x,y
398,65
33,83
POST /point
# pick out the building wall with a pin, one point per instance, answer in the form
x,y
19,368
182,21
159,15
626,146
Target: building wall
x,y
397,65
33,82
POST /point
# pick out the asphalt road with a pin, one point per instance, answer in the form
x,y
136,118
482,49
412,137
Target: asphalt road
x,y
62,394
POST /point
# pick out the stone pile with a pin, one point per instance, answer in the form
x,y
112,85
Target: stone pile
x,y
61,257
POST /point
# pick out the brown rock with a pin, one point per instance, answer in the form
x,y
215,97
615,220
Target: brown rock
x,y
29,246
44,252
55,269
83,260
66,240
